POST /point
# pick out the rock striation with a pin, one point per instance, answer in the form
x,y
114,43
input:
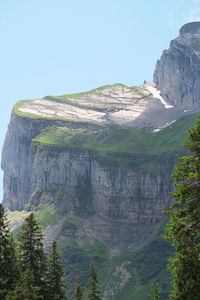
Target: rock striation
x,y
177,73
98,165
120,206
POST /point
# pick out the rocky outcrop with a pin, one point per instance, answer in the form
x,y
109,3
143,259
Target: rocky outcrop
x,y
120,206
177,73
96,167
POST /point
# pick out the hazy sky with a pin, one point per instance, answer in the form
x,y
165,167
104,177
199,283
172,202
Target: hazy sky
x,y
53,47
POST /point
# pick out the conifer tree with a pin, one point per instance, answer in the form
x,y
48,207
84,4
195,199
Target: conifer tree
x,y
155,291
4,241
93,292
25,288
12,262
183,230
32,256
78,293
55,285
8,260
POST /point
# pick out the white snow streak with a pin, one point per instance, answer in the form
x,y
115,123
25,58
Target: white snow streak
x,y
156,94
167,124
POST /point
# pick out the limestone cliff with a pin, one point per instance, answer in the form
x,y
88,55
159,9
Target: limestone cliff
x,y
99,191
177,73
90,155
121,206
96,166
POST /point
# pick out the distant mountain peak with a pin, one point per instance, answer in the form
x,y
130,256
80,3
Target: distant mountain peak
x,y
192,27
177,73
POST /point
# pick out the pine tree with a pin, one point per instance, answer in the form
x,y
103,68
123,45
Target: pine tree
x,y
183,230
32,256
155,291
8,260
78,293
25,289
56,288
12,262
4,241
93,292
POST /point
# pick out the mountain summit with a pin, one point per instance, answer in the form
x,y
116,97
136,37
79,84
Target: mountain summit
x,y
96,169
177,73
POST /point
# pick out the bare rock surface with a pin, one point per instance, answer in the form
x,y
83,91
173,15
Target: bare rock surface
x,y
177,73
116,104
120,206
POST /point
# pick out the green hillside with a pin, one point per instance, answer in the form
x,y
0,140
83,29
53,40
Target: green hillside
x,y
132,147
129,275
142,266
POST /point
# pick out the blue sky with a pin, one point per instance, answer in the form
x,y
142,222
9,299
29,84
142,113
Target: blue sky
x,y
53,47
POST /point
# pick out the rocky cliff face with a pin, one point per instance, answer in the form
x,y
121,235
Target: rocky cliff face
x,y
120,206
96,166
177,73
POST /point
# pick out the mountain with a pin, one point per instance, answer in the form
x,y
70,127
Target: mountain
x,y
177,73
96,169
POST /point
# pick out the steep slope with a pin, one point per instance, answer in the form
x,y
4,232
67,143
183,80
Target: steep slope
x,y
116,178
96,168
87,233
177,73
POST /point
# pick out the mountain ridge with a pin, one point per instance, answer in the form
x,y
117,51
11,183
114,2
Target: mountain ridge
x,y
96,169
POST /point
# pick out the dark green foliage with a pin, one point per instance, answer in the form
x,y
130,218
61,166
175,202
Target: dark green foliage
x,y
31,254
12,263
74,254
150,260
121,140
27,276
78,293
93,292
4,242
144,265
55,286
25,288
183,230
31,250
8,265
113,146
155,291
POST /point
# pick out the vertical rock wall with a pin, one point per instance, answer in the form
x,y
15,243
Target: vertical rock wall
x,y
177,73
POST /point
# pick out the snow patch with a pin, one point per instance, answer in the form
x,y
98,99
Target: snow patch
x,y
156,94
164,126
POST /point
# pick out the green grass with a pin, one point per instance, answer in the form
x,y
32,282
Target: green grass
x,y
99,89
66,98
46,215
17,215
73,254
14,215
62,136
145,265
131,147
121,139
119,145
